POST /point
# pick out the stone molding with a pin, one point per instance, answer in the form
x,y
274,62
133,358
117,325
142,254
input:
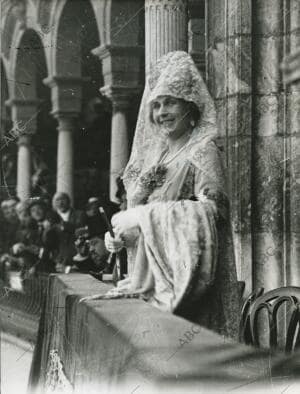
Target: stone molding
x,y
23,103
105,51
121,96
24,140
62,80
24,114
173,4
121,65
66,121
66,93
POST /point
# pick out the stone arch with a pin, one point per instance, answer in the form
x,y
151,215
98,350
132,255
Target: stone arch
x,y
31,107
72,20
8,30
77,78
28,64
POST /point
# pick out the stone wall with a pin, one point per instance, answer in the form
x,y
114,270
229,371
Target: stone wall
x,y
259,123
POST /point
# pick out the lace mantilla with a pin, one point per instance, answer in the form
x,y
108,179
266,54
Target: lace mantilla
x,y
176,75
56,380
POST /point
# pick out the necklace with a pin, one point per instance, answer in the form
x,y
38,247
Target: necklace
x,y
168,161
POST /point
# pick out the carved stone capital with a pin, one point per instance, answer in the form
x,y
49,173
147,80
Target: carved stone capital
x,y
105,51
121,65
24,115
63,81
23,103
24,140
66,93
174,4
121,96
66,121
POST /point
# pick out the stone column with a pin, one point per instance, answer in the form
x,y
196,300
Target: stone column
x,y
66,95
119,151
65,155
293,116
121,70
166,27
24,167
24,116
270,150
229,78
121,99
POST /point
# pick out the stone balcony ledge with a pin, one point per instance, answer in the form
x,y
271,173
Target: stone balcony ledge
x,y
127,343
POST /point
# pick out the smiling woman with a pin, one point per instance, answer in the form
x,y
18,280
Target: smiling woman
x,y
172,115
177,230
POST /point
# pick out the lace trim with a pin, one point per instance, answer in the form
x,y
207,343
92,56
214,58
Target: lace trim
x,y
187,190
56,380
132,174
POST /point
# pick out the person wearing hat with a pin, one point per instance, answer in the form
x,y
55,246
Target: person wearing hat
x,y
8,208
91,254
25,236
26,224
95,223
38,242
69,219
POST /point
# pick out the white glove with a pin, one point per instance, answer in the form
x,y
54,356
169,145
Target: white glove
x,y
113,245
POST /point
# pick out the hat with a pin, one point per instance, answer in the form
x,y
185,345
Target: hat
x,y
36,201
8,203
92,200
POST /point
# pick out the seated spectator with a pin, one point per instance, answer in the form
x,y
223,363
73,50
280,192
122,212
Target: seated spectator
x,y
69,220
8,227
68,215
37,244
91,253
26,223
9,224
96,225
9,209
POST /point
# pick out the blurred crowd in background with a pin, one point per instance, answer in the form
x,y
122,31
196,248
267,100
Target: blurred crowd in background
x,y
39,235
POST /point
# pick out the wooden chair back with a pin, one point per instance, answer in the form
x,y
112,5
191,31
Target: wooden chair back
x,y
271,302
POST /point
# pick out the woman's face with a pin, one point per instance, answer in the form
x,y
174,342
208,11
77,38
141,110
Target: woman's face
x,y
37,212
171,115
62,203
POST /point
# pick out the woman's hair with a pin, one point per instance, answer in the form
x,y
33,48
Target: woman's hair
x,y
192,109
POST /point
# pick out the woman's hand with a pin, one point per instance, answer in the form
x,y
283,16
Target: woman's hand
x,y
113,245
125,221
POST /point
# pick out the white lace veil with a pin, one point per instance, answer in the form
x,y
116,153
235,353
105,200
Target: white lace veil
x,y
176,75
